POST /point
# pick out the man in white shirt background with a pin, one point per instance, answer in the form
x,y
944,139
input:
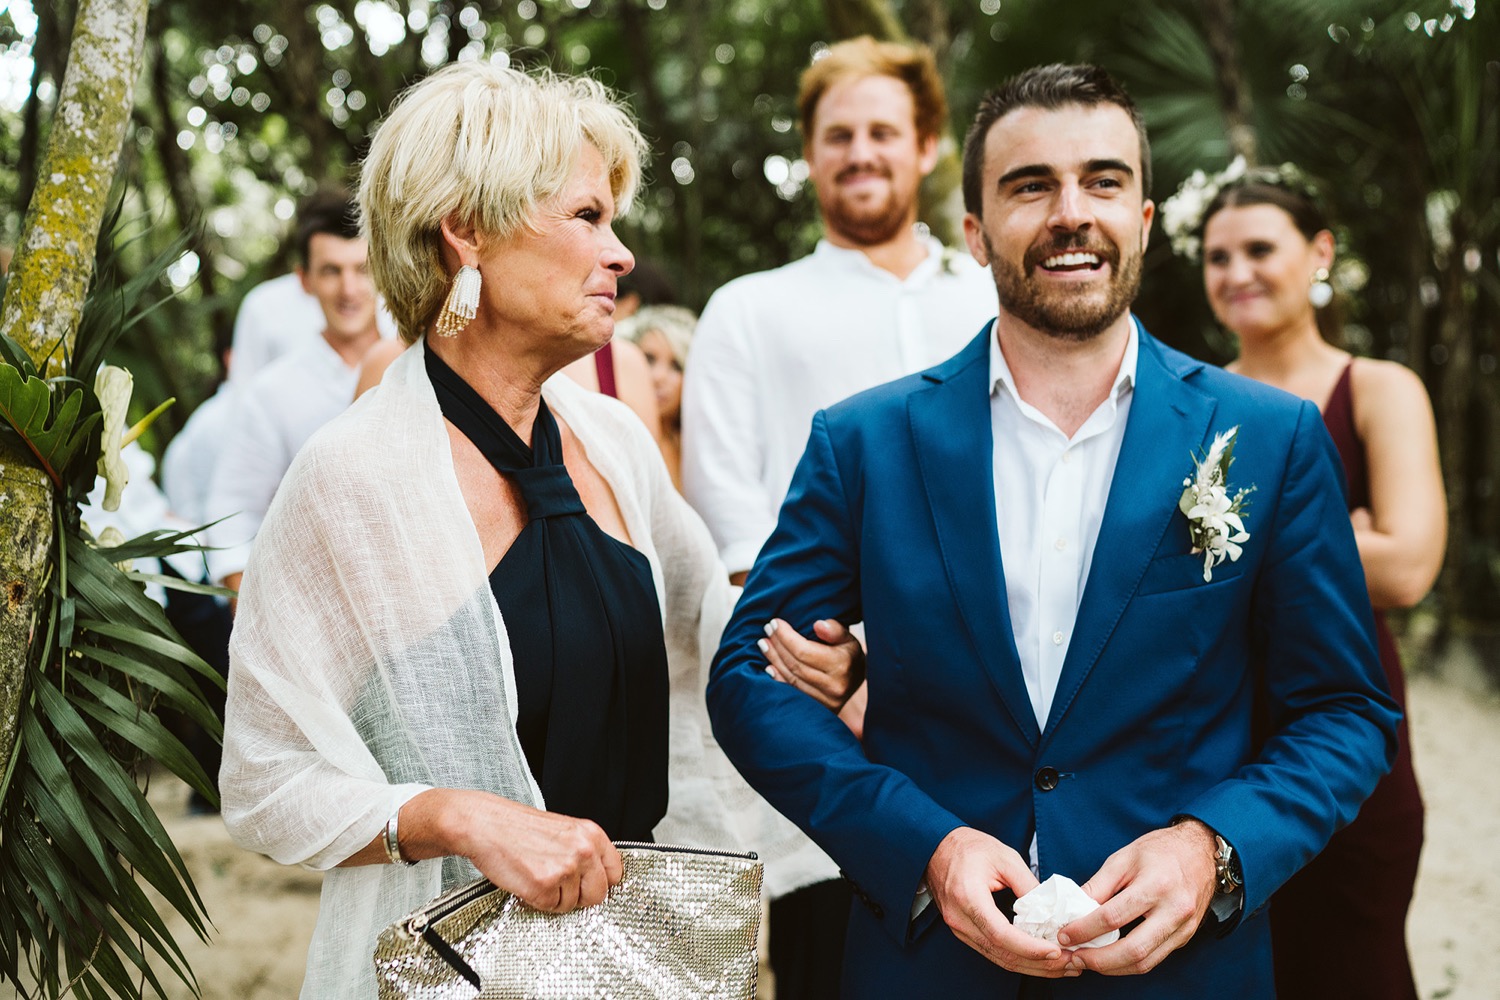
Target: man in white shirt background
x,y
280,315
278,409
878,298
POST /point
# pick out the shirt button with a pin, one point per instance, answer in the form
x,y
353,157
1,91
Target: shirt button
x,y
1057,638
1067,457
1060,544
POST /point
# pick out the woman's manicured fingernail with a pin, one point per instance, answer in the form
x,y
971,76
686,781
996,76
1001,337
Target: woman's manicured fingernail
x,y
763,646
771,626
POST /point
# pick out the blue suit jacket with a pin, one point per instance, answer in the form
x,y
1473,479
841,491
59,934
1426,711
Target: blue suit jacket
x,y
891,520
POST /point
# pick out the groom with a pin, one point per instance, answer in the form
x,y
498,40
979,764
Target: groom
x,y
1060,679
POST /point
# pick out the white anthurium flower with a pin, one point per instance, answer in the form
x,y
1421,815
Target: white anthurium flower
x,y
113,386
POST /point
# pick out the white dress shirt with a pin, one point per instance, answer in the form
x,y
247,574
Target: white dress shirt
x,y
775,347
187,467
277,317
1050,495
272,416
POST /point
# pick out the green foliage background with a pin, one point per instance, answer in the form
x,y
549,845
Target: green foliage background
x,y
1394,104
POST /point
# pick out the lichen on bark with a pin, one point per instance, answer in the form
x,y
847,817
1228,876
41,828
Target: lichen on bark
x,y
44,296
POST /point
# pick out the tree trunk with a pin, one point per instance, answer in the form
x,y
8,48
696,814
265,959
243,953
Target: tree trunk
x,y
1219,18
44,298
852,18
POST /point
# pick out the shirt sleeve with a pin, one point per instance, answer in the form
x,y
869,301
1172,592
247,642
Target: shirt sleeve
x,y
251,347
254,460
723,435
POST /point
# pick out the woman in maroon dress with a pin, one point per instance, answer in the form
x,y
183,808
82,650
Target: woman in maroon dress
x,y
1338,927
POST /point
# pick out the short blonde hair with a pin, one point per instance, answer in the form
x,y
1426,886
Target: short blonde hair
x,y
484,146
675,323
856,58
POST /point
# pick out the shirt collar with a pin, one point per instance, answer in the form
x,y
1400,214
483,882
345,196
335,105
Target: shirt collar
x,y
1000,374
855,260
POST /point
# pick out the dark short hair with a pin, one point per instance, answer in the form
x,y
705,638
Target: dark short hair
x,y
328,210
856,58
1264,186
1047,87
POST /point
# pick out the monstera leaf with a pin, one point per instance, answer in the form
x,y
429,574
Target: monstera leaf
x,y
46,417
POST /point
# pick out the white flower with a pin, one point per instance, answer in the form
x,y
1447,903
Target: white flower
x,y
1216,524
113,386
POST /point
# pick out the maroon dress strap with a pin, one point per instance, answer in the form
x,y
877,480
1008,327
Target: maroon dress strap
x,y
1338,417
604,364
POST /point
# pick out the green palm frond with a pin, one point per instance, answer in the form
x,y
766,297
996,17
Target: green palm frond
x,y
80,840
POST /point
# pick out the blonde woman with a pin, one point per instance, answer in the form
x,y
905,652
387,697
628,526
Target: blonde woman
x,y
477,592
664,334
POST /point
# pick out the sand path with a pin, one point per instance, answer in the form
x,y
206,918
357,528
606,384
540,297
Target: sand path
x,y
264,913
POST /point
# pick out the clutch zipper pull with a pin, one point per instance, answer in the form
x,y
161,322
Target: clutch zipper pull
x,y
703,851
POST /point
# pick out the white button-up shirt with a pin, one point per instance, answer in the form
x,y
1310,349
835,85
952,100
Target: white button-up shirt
x,y
1050,494
277,317
775,347
273,415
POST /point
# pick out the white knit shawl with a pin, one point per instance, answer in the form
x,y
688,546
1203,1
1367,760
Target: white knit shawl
x,y
369,662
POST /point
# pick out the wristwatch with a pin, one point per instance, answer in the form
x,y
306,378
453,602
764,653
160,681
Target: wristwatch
x,y
1227,877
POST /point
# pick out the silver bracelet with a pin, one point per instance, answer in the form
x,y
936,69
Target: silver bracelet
x,y
392,844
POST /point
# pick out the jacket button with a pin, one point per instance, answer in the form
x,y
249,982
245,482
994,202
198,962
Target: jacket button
x,y
1047,778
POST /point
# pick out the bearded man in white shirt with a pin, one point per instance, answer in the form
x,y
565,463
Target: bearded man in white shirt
x,y
877,299
277,410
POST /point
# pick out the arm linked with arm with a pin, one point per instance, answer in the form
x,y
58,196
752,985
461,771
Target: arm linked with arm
x,y
875,822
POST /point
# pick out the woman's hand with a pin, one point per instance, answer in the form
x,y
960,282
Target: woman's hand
x,y
829,670
553,862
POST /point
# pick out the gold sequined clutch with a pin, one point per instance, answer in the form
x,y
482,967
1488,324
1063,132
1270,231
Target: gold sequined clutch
x,y
680,925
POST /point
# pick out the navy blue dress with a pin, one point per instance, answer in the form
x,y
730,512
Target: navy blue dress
x,y
585,632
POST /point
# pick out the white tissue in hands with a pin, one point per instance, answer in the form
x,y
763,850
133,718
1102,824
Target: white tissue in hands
x,y
1053,905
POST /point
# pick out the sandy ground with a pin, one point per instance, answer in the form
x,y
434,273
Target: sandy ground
x,y
264,913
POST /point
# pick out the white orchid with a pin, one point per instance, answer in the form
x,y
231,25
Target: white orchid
x,y
1216,523
113,386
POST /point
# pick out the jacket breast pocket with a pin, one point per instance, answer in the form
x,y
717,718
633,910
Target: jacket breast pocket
x,y
1183,570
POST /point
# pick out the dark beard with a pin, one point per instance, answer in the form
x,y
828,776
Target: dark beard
x,y
1064,316
867,227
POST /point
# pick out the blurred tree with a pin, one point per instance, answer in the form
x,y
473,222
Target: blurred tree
x,y
1391,103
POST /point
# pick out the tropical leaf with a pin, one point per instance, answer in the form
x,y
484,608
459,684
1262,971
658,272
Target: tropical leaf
x,y
81,841
26,406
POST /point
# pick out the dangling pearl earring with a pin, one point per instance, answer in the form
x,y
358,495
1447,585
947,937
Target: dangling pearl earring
x,y
462,305
1320,292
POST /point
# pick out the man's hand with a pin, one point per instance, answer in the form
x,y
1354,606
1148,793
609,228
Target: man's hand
x,y
1165,876
965,870
830,670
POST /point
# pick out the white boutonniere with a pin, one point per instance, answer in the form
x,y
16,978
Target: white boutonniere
x,y
1216,520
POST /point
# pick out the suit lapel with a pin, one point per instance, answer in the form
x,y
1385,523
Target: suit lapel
x,y
951,431
1168,424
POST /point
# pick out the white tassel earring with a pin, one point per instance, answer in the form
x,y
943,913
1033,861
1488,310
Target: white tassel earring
x,y
462,305
1320,292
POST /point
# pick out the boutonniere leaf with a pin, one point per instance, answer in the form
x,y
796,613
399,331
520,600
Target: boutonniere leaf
x,y
1216,518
